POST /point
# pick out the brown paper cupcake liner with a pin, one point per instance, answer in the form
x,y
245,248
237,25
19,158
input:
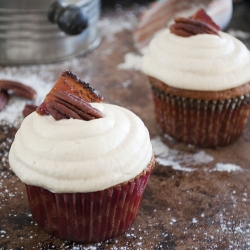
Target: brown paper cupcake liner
x,y
89,217
199,122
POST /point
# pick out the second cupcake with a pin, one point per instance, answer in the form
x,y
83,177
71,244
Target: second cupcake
x,y
200,79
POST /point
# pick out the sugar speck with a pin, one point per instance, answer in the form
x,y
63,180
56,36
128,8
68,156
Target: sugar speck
x,y
228,167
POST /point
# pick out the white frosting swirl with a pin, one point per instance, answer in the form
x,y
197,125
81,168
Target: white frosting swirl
x,y
201,62
81,156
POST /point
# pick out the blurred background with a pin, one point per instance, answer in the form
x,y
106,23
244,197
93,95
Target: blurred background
x,y
34,32
129,2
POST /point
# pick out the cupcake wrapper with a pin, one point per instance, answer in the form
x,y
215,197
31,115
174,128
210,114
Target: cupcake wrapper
x,y
88,217
199,122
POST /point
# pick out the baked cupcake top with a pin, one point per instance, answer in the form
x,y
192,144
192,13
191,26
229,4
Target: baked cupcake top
x,y
72,155
203,62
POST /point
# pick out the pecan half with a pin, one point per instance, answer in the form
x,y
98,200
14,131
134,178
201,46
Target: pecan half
x,y
18,89
202,16
70,83
66,106
28,109
4,98
200,23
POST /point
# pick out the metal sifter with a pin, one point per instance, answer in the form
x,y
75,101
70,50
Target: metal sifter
x,y
35,31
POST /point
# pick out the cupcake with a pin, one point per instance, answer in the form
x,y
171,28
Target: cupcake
x,y
85,164
200,82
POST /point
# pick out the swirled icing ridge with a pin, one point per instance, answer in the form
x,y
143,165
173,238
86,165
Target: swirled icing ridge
x,y
202,62
81,156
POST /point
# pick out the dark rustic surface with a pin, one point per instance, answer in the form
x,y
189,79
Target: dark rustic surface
x,y
202,209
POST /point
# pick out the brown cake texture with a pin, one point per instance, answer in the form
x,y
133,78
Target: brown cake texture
x,y
202,118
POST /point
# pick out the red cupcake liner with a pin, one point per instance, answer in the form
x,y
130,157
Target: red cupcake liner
x,y
199,122
89,217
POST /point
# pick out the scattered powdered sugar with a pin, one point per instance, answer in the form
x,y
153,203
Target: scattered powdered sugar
x,y
173,220
178,160
131,61
160,149
194,221
239,229
12,113
182,161
221,167
126,83
239,34
202,157
173,164
83,248
116,24
41,78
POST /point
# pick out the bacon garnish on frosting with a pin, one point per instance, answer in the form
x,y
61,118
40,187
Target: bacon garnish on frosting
x,y
199,23
70,98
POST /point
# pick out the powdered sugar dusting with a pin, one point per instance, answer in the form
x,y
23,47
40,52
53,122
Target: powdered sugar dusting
x,y
12,113
116,24
221,167
182,161
39,77
201,157
239,34
173,164
126,83
179,161
131,61
160,149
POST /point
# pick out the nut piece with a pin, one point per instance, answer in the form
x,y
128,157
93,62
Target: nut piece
x,y
66,106
202,16
18,89
189,27
28,109
59,111
4,98
70,83
200,23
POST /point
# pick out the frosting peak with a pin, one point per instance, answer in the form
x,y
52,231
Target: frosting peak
x,y
202,62
90,156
